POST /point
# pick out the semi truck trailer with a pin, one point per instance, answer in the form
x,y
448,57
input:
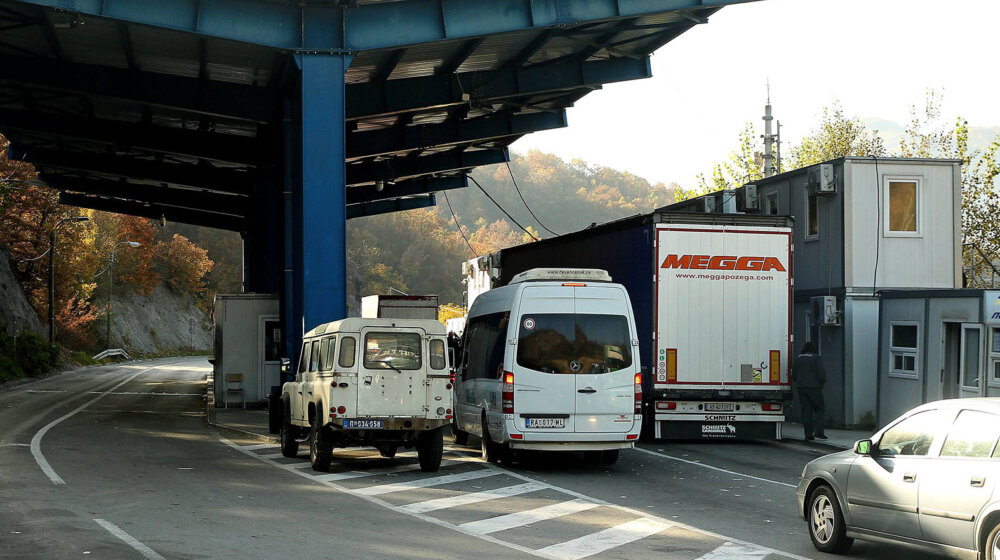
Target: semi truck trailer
x,y
712,300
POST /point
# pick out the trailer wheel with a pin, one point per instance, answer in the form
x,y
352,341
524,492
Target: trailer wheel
x,y
430,447
320,447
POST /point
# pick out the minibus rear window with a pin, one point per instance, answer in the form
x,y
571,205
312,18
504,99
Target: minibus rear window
x,y
392,350
574,343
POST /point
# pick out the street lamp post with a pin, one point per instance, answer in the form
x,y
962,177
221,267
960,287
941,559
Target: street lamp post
x,y
52,272
111,281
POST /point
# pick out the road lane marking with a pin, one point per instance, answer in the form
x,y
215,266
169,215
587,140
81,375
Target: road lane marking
x,y
297,469
612,537
732,551
522,518
146,552
36,441
15,445
710,467
380,489
474,497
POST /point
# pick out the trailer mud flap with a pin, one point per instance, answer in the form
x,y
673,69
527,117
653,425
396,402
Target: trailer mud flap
x,y
716,430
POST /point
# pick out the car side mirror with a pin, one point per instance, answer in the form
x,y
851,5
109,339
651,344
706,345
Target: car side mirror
x,y
286,365
863,447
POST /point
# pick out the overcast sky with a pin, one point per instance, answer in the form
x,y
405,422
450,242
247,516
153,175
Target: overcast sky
x,y
877,57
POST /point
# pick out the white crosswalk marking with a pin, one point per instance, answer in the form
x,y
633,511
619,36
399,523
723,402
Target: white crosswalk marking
x,y
522,518
270,455
473,497
257,446
426,482
384,470
607,539
733,551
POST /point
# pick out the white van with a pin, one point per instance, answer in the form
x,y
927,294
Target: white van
x,y
550,363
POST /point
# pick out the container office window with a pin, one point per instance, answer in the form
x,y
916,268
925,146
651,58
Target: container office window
x,y
994,370
771,204
903,349
812,217
902,196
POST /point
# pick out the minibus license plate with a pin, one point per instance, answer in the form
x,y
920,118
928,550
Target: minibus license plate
x,y
721,407
362,424
545,422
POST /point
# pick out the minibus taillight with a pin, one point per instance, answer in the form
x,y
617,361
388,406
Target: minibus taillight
x,y
507,393
638,393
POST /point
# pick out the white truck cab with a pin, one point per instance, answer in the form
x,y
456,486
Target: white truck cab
x,y
550,362
369,382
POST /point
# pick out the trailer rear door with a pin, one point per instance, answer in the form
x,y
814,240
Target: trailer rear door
x,y
723,297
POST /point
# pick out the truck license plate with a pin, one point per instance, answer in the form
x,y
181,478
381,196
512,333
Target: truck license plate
x,y
362,424
721,407
545,422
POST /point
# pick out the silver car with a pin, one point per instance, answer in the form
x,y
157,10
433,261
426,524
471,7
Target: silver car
x,y
927,479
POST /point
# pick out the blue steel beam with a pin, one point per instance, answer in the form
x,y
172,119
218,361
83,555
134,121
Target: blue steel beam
x,y
387,206
481,129
223,147
403,168
325,28
155,211
428,92
209,97
366,194
202,176
180,198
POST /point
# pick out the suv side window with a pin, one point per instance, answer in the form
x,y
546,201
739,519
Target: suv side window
x,y
326,353
916,434
348,349
314,360
974,434
304,358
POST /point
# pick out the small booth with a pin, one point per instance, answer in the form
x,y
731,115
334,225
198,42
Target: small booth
x,y
248,349
936,344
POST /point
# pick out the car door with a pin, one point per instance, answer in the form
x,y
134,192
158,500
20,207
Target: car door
x,y
882,488
959,482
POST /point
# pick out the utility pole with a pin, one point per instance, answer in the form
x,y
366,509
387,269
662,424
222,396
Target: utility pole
x,y
769,138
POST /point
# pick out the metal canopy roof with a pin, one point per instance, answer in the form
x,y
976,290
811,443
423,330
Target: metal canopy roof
x,y
175,108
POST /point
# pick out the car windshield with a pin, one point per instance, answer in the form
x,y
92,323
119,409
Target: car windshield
x,y
387,350
574,343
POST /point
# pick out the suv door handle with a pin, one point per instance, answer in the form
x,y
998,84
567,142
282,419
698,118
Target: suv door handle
x,y
587,390
910,477
977,481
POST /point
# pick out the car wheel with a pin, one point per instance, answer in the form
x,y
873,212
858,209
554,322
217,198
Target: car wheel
x,y
320,447
826,522
430,447
490,450
286,438
461,437
992,548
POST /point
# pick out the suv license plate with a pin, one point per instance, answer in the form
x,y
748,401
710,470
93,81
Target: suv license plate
x,y
720,407
362,424
545,422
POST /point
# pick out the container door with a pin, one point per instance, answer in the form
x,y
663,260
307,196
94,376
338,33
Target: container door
x,y
391,377
971,368
605,378
544,384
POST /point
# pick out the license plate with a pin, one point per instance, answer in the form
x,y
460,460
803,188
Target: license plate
x,y
545,422
721,407
362,424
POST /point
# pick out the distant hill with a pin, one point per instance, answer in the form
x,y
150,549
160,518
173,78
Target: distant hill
x,y
892,132
421,251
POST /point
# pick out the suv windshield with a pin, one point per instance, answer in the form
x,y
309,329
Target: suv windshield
x,y
572,343
388,350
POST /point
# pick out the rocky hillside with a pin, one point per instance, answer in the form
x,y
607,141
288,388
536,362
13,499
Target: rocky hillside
x,y
14,306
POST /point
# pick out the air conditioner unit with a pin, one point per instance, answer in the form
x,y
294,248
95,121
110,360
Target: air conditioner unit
x,y
827,180
824,311
750,197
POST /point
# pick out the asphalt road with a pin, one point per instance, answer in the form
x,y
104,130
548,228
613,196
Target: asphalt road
x,y
117,462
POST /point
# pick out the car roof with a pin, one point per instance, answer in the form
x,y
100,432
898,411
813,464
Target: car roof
x,y
988,404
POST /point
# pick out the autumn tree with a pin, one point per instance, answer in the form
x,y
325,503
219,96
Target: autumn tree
x,y
184,265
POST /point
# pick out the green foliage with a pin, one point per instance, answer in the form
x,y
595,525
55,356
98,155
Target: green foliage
x,y
83,358
836,136
31,356
743,167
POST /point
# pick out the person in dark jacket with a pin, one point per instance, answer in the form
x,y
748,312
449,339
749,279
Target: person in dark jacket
x,y
808,378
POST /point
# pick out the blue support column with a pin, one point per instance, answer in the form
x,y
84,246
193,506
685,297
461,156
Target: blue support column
x,y
316,204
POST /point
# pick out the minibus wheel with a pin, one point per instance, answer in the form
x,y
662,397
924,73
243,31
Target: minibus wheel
x,y
490,450
461,437
609,456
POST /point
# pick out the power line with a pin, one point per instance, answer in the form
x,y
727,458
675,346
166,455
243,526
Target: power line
x,y
526,202
459,226
518,224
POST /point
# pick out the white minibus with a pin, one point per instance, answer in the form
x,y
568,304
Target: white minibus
x,y
550,363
